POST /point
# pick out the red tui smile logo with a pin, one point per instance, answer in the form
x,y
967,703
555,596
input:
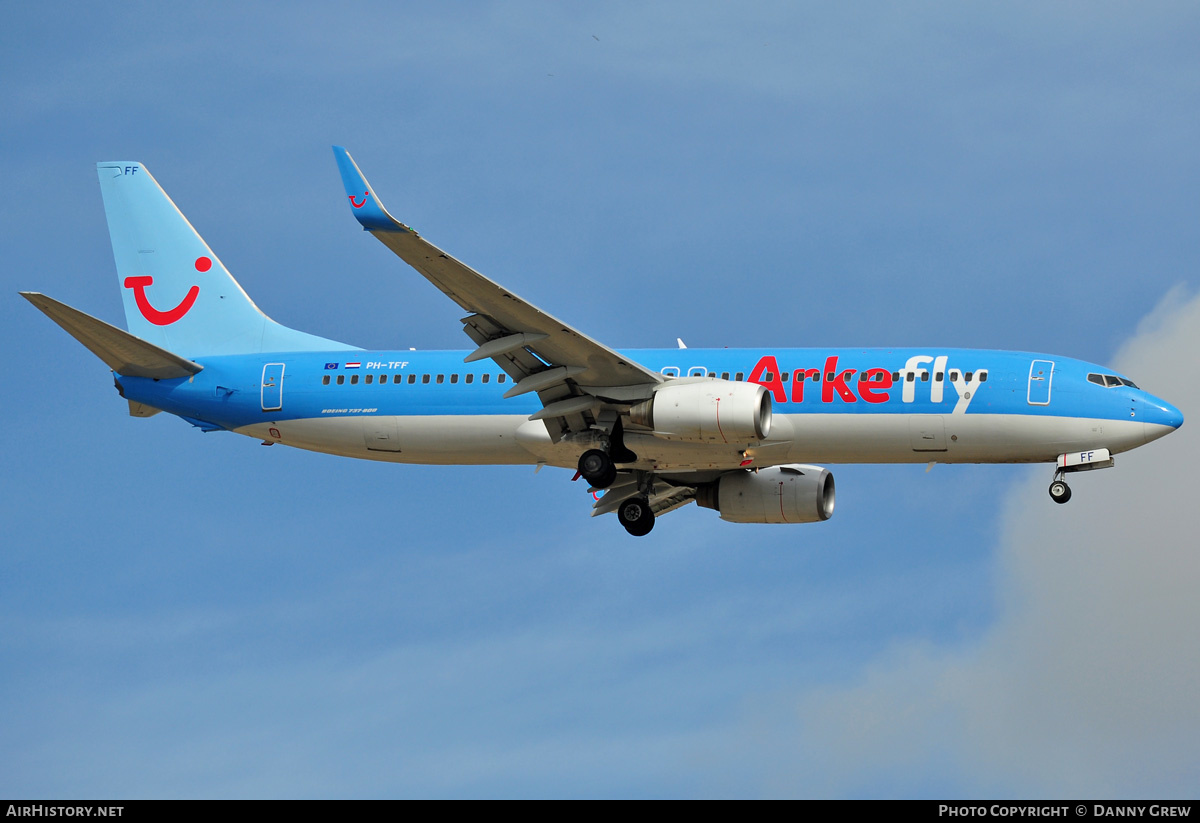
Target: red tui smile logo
x,y
359,204
164,318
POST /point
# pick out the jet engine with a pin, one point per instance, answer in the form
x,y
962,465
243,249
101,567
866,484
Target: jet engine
x,y
708,411
793,493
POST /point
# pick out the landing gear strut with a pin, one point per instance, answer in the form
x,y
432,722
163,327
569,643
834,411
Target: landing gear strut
x,y
1060,492
635,515
597,468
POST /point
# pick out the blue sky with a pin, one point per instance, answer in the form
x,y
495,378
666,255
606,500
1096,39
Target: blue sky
x,y
193,615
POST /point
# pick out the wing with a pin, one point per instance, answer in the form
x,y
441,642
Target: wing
x,y
577,378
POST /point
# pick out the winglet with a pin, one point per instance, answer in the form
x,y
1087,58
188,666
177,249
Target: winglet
x,y
363,202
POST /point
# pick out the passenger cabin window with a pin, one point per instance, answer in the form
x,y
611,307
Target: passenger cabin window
x,y
924,377
784,377
341,379
370,379
325,380
354,380
412,378
954,375
500,378
895,377
983,377
396,379
911,376
739,376
937,378
968,376
485,378
470,378
724,375
424,378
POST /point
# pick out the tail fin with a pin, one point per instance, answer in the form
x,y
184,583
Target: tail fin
x,y
177,293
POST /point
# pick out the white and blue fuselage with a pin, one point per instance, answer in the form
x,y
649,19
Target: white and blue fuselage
x,y
835,406
736,430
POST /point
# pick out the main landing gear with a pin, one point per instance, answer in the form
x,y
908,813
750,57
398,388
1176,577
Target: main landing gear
x,y
635,515
1060,492
597,468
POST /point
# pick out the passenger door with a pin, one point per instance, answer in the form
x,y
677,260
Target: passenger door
x,y
1041,373
272,387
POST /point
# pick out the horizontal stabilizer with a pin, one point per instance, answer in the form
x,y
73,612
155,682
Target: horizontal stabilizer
x,y
137,409
123,352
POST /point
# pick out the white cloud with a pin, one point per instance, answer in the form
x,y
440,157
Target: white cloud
x,y
1086,685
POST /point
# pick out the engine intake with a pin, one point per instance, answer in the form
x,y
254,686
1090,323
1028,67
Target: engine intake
x,y
794,493
709,411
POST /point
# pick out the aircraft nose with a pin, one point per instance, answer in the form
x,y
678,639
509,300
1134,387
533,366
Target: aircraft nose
x,y
1160,418
1167,415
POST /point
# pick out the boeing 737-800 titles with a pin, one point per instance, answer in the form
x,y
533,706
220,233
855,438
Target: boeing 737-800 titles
x,y
735,430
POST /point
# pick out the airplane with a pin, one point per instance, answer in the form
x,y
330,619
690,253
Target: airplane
x,y
740,431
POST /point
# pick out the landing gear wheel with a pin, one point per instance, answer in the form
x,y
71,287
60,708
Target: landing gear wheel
x,y
597,468
1060,492
636,517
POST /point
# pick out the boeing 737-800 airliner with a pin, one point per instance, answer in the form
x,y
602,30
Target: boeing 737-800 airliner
x,y
735,430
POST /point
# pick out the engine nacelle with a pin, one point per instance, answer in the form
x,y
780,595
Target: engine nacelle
x,y
793,493
708,411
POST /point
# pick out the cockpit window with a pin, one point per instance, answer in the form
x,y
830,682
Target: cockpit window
x,y
1110,381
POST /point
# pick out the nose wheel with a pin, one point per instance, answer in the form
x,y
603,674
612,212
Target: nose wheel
x,y
1060,492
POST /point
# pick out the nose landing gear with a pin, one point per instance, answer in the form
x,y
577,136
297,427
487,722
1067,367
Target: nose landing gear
x,y
1060,492
1081,461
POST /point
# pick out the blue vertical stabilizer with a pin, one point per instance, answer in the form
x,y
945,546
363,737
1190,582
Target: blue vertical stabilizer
x,y
177,293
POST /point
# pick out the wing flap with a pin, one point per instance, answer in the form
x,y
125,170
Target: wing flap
x,y
664,497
